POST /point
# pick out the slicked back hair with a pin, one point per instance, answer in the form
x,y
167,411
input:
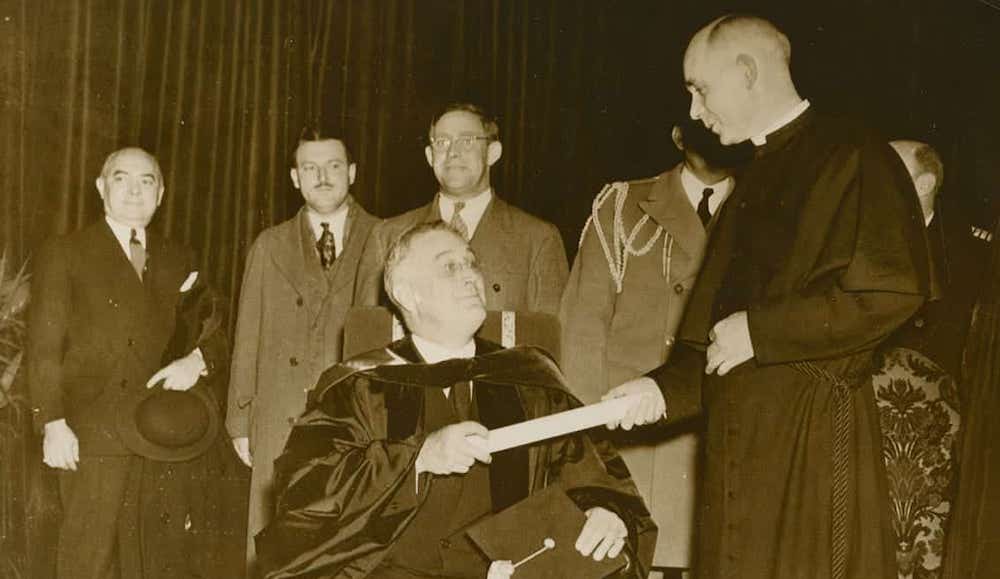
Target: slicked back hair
x,y
320,131
490,126
113,156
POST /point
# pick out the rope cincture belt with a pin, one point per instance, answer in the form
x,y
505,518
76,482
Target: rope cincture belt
x,y
843,387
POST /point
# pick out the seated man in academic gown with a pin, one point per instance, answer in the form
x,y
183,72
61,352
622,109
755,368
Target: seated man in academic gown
x,y
386,469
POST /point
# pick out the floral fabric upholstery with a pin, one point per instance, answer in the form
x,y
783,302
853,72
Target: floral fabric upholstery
x,y
918,404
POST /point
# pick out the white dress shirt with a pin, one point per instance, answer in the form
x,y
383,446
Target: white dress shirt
x,y
337,222
472,213
693,187
434,353
788,117
123,233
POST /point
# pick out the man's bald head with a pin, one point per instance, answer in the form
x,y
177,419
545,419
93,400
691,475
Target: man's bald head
x,y
737,69
925,168
742,33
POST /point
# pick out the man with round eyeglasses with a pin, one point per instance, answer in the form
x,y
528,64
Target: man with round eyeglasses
x,y
523,259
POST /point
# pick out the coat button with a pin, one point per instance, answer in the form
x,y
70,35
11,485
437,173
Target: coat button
x,y
445,544
293,361
131,342
678,289
299,301
496,287
291,421
919,322
124,382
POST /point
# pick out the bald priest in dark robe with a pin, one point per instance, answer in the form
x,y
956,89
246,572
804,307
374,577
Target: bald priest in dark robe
x,y
383,473
817,256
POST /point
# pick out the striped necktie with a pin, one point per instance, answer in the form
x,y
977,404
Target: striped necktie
x,y
457,222
137,254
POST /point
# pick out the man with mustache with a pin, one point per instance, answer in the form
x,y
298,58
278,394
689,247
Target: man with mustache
x,y
522,257
817,255
296,291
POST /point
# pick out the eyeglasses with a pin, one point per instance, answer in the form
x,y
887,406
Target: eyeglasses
x,y
461,144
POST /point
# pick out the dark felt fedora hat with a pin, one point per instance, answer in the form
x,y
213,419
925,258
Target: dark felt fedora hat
x,y
168,425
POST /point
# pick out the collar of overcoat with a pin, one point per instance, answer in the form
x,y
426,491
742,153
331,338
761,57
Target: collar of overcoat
x,y
295,257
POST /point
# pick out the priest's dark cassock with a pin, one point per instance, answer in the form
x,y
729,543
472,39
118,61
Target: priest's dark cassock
x,y
349,504
822,243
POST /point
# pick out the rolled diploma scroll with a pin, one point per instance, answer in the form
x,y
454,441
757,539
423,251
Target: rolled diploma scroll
x,y
558,424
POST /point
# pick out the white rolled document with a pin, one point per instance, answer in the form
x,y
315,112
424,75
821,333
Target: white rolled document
x,y
553,425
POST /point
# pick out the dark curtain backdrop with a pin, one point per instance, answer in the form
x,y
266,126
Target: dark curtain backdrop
x,y
585,91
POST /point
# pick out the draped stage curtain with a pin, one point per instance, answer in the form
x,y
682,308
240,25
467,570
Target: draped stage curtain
x,y
586,92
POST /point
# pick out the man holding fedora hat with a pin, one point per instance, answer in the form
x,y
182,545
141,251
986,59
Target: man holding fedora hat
x,y
103,319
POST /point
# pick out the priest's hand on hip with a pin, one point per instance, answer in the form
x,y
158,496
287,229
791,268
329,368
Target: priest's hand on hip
x,y
730,344
648,407
454,449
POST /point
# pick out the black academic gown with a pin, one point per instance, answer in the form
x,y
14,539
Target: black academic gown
x,y
346,479
822,244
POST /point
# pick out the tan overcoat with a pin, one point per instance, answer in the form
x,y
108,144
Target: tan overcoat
x,y
289,330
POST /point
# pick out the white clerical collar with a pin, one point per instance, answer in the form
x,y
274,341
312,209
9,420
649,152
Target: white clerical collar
x,y
788,117
472,212
434,352
693,188
336,222
123,233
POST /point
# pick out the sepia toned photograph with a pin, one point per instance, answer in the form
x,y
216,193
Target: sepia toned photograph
x,y
413,289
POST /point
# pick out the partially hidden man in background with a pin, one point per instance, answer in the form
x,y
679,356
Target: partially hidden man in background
x,y
379,479
102,314
956,255
818,254
523,259
621,309
297,288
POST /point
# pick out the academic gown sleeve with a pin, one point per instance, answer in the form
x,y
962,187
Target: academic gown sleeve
x,y
346,489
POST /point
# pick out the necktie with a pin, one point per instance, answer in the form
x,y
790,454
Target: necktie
x,y
137,254
461,400
327,247
703,213
457,222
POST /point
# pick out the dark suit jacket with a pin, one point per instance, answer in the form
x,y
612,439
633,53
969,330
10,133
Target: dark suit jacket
x,y
522,257
96,332
939,329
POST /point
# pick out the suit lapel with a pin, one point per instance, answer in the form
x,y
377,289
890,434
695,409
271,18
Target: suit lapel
x,y
356,230
669,206
113,272
487,241
295,257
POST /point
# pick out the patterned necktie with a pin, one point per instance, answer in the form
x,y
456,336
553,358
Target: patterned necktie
x,y
326,246
703,213
137,254
461,400
457,222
